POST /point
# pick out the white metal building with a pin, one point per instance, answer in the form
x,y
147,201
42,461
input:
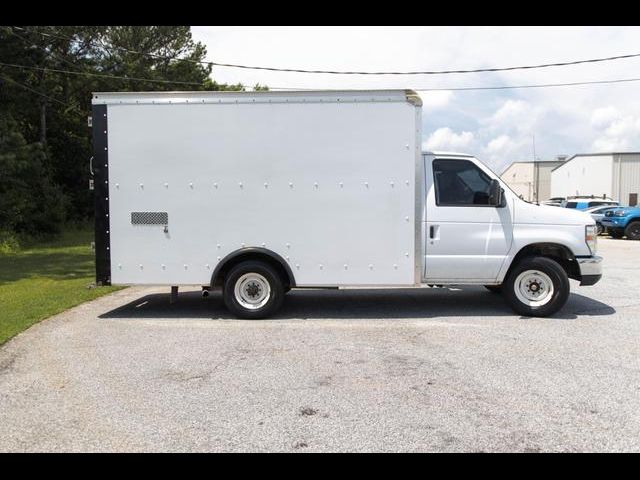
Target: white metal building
x,y
531,180
616,175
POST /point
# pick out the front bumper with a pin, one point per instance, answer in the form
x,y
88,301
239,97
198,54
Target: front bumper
x,y
590,269
613,222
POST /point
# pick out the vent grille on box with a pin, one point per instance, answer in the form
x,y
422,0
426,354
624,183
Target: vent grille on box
x,y
149,218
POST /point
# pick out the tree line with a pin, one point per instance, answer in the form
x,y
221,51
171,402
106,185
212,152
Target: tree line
x,y
47,75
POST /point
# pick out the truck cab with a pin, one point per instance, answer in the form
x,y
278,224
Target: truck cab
x,y
478,231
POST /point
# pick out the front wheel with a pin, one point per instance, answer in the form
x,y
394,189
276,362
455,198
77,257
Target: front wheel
x,y
633,231
253,290
536,287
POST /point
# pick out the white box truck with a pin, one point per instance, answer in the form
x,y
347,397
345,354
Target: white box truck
x,y
257,193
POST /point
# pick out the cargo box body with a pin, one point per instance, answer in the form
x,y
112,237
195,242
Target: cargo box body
x,y
328,182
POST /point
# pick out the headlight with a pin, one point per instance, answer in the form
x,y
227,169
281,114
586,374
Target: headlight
x,y
591,237
618,213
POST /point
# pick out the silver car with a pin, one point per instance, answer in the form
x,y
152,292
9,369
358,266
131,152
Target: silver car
x,y
597,213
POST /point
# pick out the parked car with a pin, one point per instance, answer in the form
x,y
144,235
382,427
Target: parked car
x,y
584,202
597,213
623,221
554,202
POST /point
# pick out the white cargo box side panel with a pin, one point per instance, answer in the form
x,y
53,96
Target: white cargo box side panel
x,y
330,187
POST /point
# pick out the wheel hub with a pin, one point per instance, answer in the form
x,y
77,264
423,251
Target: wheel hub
x,y
534,288
252,291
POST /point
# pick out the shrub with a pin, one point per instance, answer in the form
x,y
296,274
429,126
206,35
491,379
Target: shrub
x,y
8,243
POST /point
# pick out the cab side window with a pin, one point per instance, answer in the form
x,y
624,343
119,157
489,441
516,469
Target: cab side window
x,y
460,183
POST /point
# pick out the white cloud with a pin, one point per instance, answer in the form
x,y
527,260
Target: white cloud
x,y
435,100
619,133
502,150
609,144
500,144
511,111
624,126
601,117
446,139
516,117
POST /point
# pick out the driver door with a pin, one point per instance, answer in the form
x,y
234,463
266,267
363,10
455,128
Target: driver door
x,y
467,239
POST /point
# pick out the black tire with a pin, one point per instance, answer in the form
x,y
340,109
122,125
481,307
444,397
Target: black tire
x,y
633,231
554,271
616,233
268,273
599,229
494,288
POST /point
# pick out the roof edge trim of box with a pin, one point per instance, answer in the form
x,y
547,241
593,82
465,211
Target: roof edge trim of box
x,y
226,97
413,98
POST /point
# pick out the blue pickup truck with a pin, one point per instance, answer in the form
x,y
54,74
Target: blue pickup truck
x,y
621,222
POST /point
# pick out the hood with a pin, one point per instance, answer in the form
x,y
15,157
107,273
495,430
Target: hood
x,y
544,214
625,211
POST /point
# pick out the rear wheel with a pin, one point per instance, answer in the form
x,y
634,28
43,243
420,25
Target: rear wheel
x,y
253,290
599,229
633,231
537,287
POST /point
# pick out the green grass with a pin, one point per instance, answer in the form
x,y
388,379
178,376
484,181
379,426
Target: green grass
x,y
44,279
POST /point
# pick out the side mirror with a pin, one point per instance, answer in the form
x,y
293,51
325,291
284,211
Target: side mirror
x,y
495,193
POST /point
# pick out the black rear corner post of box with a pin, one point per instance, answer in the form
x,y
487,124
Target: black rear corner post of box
x,y
100,165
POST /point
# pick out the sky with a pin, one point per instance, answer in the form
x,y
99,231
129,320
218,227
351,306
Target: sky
x,y
497,126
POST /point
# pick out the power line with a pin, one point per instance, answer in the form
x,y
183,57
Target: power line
x,y
499,87
342,72
39,93
541,85
426,72
103,75
48,52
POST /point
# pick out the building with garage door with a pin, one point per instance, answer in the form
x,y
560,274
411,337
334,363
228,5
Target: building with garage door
x,y
531,180
614,175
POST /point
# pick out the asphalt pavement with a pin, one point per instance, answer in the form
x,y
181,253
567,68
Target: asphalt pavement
x,y
443,369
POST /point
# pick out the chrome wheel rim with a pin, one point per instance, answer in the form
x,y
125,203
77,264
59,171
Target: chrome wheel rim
x,y
252,291
534,288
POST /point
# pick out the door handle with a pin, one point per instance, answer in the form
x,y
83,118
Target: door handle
x,y
431,231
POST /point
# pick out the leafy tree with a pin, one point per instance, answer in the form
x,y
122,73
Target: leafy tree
x,y
29,202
